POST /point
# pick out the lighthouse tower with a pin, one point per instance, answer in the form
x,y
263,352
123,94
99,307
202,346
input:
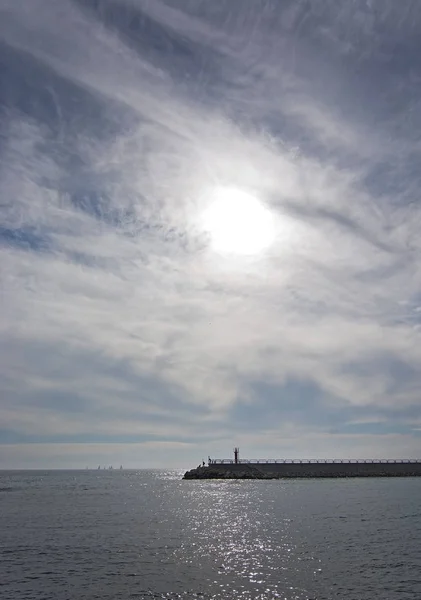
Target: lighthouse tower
x,y
236,455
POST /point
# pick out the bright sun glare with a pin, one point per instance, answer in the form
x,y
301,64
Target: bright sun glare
x,y
237,222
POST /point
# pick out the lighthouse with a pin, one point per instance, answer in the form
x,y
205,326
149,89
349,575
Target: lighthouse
x,y
236,455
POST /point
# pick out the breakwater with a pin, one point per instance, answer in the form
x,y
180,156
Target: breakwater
x,y
226,469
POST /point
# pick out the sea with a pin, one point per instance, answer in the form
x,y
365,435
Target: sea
x,y
108,535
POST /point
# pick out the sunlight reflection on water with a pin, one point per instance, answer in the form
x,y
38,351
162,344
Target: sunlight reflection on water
x,y
238,529
147,534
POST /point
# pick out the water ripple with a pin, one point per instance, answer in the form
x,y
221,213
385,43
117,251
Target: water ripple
x,y
149,535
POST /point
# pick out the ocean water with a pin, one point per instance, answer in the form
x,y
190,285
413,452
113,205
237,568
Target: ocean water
x,y
147,534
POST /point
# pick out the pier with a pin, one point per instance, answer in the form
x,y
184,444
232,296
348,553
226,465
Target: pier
x,y
236,468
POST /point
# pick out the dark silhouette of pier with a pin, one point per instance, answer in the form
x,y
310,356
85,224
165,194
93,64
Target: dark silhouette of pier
x,y
266,468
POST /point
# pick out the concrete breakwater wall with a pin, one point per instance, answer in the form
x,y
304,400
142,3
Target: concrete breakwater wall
x,y
280,470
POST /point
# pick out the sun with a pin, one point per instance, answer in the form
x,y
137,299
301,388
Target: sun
x,y
237,222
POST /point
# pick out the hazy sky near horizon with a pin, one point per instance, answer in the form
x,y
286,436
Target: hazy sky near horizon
x,y
209,230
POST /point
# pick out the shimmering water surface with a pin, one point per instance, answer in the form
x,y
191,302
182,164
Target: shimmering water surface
x,y
147,534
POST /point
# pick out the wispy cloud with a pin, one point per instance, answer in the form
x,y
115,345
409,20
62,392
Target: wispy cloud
x,y
119,323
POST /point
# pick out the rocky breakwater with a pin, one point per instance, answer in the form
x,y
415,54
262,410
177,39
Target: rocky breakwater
x,y
215,473
305,470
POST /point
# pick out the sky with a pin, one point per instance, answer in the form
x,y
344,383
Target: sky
x,y
209,231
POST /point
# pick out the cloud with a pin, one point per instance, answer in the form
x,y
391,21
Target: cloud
x,y
119,323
